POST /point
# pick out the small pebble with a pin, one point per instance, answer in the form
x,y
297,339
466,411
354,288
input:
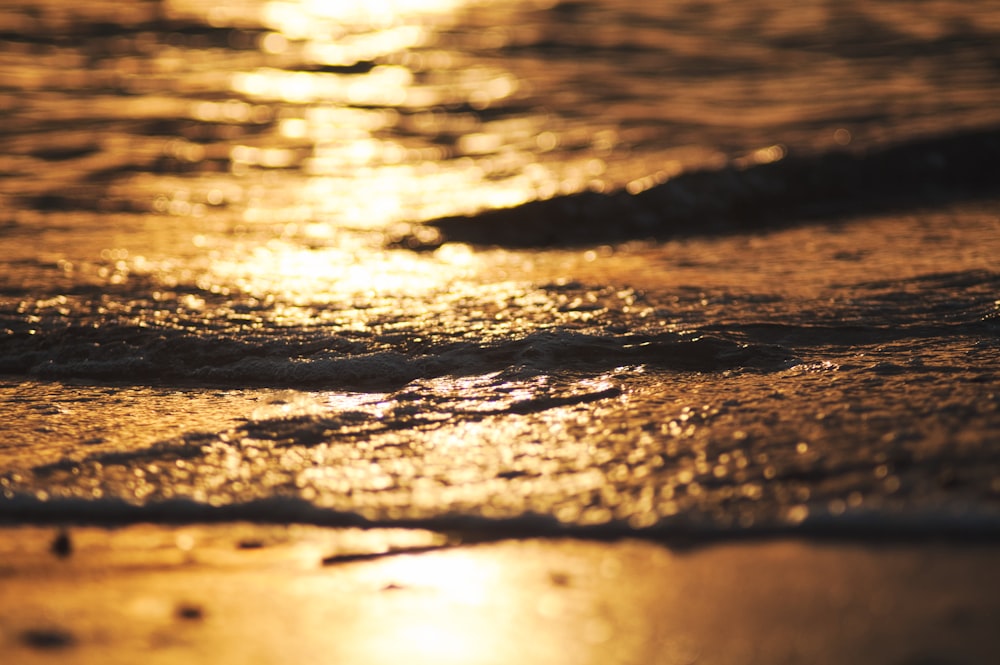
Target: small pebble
x,y
190,612
62,546
48,638
559,578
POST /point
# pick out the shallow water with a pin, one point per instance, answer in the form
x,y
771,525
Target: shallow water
x,y
715,267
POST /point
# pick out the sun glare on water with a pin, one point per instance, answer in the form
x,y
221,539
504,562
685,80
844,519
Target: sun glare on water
x,y
353,84
371,121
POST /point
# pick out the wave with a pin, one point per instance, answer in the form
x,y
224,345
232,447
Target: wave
x,y
139,354
746,334
745,195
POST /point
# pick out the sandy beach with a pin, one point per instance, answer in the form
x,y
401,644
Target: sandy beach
x,y
240,593
472,332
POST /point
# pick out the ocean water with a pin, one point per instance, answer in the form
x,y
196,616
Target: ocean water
x,y
712,268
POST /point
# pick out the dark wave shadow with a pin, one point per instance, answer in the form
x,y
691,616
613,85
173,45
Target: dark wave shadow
x,y
792,190
186,358
683,532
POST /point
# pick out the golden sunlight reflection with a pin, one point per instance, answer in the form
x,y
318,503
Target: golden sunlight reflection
x,y
461,577
458,585
308,18
367,104
365,118
309,276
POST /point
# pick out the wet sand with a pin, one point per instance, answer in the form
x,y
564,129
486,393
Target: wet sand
x,y
238,593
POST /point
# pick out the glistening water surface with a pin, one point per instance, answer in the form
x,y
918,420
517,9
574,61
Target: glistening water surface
x,y
720,267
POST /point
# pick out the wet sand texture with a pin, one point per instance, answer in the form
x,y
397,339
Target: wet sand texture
x,y
133,595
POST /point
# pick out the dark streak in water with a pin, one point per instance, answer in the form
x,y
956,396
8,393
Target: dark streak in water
x,y
336,559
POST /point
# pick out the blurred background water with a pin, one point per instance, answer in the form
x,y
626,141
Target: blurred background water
x,y
696,265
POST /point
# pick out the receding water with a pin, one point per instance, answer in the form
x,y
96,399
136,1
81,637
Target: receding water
x,y
715,267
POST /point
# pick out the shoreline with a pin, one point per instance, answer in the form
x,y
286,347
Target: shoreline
x,y
239,592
